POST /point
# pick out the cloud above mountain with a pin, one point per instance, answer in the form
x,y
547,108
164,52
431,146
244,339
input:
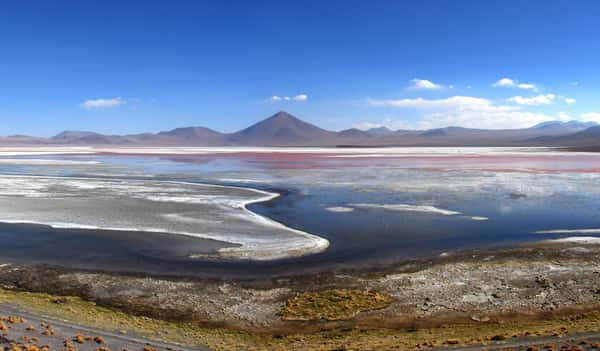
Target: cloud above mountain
x,y
570,101
102,103
533,100
591,116
512,83
298,98
424,84
464,111
421,103
497,112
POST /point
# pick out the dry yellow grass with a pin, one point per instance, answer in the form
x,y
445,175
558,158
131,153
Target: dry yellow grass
x,y
337,304
87,313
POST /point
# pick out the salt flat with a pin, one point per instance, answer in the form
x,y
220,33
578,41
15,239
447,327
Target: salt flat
x,y
336,152
199,210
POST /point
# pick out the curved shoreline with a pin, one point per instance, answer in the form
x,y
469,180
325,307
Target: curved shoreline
x,y
260,249
320,244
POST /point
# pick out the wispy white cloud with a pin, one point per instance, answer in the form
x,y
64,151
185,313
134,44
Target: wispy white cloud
x,y
564,117
472,111
512,83
299,97
102,103
421,103
424,84
527,86
591,116
464,111
504,82
534,100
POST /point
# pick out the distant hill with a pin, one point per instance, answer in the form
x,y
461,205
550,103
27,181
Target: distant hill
x,y
558,127
283,129
79,137
354,133
192,132
592,132
380,131
17,140
435,132
72,135
586,137
189,136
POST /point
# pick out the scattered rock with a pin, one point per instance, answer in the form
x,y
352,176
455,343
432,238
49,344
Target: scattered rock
x,y
16,320
480,319
543,281
80,339
99,340
61,301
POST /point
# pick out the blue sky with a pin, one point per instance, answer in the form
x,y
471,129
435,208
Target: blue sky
x,y
137,66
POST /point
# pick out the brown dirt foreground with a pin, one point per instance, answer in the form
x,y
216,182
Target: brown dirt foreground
x,y
452,301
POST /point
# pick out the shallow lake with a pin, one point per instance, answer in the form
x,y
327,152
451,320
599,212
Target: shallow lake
x,y
373,206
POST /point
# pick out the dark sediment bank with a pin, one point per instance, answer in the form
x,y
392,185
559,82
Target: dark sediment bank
x,y
530,281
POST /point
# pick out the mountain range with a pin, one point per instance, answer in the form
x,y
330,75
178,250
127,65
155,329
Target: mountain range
x,y
283,129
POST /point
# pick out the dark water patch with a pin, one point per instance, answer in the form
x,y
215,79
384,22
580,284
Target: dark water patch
x,y
133,251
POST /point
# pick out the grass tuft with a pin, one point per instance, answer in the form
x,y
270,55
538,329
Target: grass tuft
x,y
331,305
